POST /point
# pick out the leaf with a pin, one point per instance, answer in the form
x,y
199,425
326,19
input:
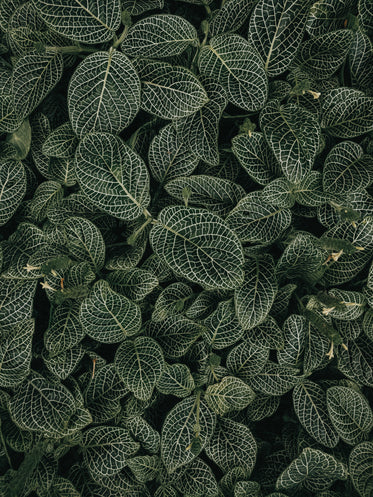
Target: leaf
x,y
347,113
215,194
254,298
198,479
90,23
10,120
255,157
113,176
34,76
107,316
276,29
172,301
294,330
293,135
158,36
178,432
309,401
234,63
139,364
107,449
175,334
135,283
231,394
313,469
246,360
138,7
355,362
145,468
104,94
169,157
41,406
199,246
231,16
321,56
85,241
263,406
15,301
61,142
12,188
65,363
350,414
328,16
143,432
268,334
256,221
176,379
169,92
360,59
347,169
222,326
20,140
352,304
274,379
15,353
360,466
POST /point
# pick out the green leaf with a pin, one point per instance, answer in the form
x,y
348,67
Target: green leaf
x,y
268,334
20,140
222,326
10,119
198,479
360,59
256,157
107,316
235,64
84,241
34,76
309,401
176,379
135,283
169,92
254,298
159,36
276,29
16,301
256,221
275,379
231,394
139,364
360,466
47,195
91,22
15,353
61,142
172,301
107,449
199,246
144,433
138,7
175,334
178,432
113,176
323,55
294,330
104,94
231,16
327,16
294,135
145,468
347,169
350,414
215,194
263,406
246,360
279,193
347,113
41,406
169,157
12,188
314,470
65,363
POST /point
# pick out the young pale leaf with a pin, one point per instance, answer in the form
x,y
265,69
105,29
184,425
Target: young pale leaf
x,y
107,449
235,64
361,466
104,94
176,379
321,56
41,406
159,36
309,401
350,414
347,169
275,379
231,394
293,134
107,316
246,360
276,29
178,432
313,469
169,157
12,188
256,157
34,76
169,92
89,22
84,241
199,246
256,221
231,16
139,364
113,176
254,298
347,113
15,353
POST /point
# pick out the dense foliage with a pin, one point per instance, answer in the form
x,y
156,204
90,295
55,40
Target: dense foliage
x,y
186,290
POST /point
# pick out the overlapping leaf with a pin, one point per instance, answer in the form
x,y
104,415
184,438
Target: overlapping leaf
x,y
231,394
12,188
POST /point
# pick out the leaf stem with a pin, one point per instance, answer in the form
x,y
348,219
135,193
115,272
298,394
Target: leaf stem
x,y
72,49
240,116
121,37
132,238
4,447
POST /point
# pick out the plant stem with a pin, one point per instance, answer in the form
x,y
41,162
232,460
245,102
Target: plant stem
x,y
241,116
132,238
4,447
72,49
121,38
